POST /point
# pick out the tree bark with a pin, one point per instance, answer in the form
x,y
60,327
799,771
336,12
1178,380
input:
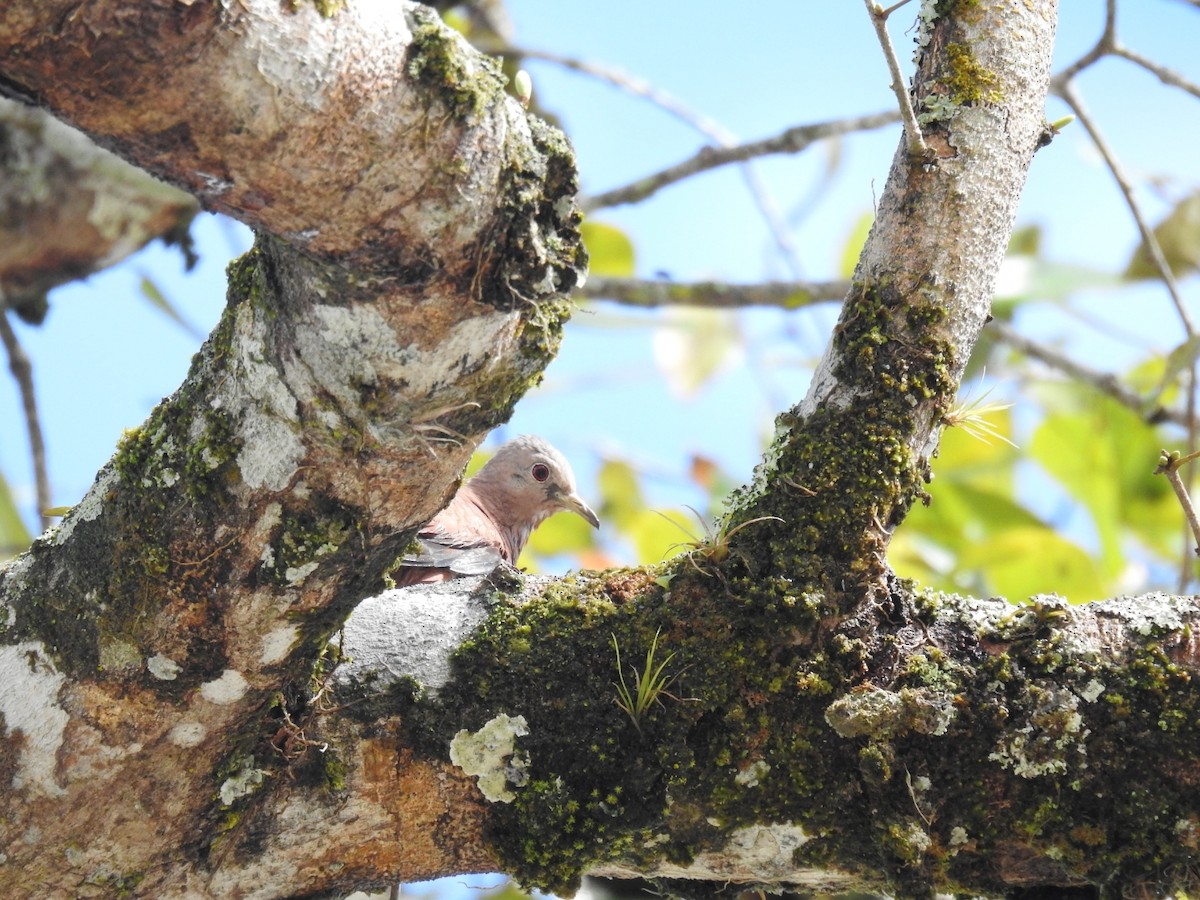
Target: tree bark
x,y
417,239
178,722
71,208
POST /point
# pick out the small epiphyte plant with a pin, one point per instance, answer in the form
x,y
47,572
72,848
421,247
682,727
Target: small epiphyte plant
x,y
972,417
715,545
650,684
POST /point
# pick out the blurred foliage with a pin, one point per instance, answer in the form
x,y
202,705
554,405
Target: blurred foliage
x,y
610,251
14,536
1178,236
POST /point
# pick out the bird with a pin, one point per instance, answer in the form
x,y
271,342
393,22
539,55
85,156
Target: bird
x,y
491,517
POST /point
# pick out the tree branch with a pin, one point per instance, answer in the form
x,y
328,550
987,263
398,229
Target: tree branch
x,y
712,294
1164,74
671,104
230,534
912,128
793,140
22,372
1104,382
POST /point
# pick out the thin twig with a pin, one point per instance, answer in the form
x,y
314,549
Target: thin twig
x,y
1103,382
22,372
650,294
793,140
1103,47
1166,76
1071,98
707,126
1067,92
1169,464
916,141
713,294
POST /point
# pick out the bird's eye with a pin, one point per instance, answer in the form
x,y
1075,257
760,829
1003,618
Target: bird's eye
x,y
540,472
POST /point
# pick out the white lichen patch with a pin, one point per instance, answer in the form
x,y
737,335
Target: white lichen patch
x,y
753,773
276,644
245,781
411,632
271,451
1150,614
297,574
958,837
1092,690
756,853
884,714
348,347
187,734
1050,742
490,754
29,687
914,837
263,407
229,688
163,667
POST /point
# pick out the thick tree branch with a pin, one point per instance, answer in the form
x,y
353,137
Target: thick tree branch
x,y
71,208
425,241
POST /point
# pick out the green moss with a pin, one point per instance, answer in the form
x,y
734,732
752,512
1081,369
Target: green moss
x,y
667,786
115,885
335,771
909,793
307,536
438,59
848,473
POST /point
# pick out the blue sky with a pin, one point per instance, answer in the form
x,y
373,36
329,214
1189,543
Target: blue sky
x,y
105,356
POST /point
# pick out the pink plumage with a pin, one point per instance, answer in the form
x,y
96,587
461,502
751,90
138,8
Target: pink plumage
x,y
492,515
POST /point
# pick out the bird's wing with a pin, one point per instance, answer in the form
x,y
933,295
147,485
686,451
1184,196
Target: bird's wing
x,y
449,552
461,539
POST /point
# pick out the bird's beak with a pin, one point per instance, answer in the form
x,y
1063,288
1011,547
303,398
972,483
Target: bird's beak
x,y
574,503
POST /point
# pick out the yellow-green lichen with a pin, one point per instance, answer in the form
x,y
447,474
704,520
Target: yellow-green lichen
x,y
969,81
466,83
326,8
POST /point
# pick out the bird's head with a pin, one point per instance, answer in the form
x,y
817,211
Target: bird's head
x,y
527,481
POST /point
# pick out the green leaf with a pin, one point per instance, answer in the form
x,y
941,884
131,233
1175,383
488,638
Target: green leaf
x,y
1178,236
160,302
659,535
1104,456
1022,562
620,494
855,241
1179,359
561,533
14,536
692,345
609,249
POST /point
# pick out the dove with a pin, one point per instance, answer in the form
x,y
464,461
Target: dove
x,y
492,515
